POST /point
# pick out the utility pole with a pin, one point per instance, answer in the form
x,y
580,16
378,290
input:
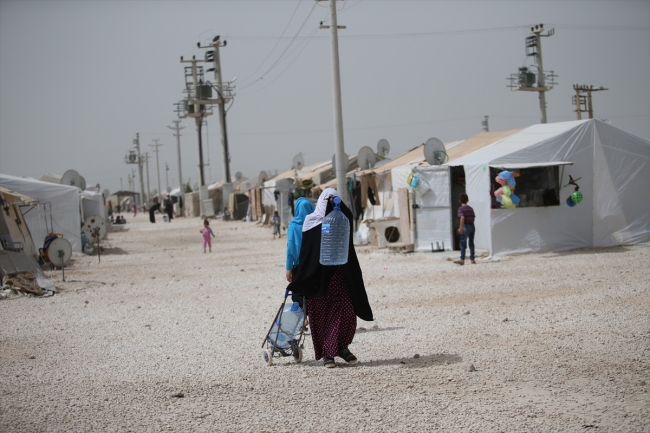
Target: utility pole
x,y
200,96
167,177
177,127
339,156
121,185
227,186
582,99
194,106
156,146
128,181
135,157
143,198
485,124
525,80
146,161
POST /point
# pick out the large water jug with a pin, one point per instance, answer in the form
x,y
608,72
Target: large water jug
x,y
335,237
287,326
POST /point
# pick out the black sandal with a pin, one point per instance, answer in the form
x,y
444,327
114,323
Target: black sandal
x,y
347,356
329,362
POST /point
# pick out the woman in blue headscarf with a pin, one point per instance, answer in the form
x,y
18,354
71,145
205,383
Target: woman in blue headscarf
x,y
302,208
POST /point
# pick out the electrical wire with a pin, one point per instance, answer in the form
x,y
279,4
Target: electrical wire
x,y
291,63
285,50
276,43
460,32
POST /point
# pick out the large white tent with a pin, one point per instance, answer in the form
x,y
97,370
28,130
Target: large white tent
x,y
58,209
435,208
614,171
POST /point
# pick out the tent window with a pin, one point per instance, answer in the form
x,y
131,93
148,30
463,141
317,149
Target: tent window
x,y
536,186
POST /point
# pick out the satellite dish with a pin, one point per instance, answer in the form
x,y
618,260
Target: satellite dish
x,y
434,152
72,178
59,252
298,162
94,228
346,162
366,158
106,193
238,176
383,147
83,184
262,177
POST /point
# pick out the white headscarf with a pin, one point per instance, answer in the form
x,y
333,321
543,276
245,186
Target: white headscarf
x,y
316,217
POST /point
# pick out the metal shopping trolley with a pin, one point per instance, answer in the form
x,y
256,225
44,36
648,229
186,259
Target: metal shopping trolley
x,y
287,332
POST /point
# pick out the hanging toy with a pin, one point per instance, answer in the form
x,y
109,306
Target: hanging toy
x,y
419,185
505,195
575,197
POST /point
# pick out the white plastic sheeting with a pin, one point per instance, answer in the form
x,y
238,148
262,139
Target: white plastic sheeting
x,y
92,203
284,187
615,170
433,212
59,204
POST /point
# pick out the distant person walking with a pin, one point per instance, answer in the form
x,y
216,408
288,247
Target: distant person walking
x,y
207,232
275,222
466,229
169,209
152,209
134,207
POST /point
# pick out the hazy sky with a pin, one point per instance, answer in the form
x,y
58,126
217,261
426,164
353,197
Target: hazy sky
x,y
78,79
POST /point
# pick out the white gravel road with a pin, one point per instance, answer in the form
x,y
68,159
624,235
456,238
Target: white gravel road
x,y
560,342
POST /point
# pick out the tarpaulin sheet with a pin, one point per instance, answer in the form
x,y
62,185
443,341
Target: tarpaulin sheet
x,y
11,263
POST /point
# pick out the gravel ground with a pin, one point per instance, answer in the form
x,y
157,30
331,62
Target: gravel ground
x,y
558,342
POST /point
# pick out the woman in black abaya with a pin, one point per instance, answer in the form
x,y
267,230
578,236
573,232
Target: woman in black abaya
x,y
152,209
336,295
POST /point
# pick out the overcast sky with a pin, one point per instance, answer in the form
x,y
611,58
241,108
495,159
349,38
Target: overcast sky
x,y
78,79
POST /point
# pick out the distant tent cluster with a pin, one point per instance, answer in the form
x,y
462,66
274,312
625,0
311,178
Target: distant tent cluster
x,y
405,202
34,213
408,204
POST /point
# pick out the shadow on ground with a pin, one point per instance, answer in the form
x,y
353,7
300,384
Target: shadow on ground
x,y
408,362
390,328
587,251
113,251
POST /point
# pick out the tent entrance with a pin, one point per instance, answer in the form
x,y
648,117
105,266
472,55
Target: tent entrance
x,y
433,225
457,188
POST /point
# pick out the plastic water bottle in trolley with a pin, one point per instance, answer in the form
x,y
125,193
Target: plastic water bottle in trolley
x,y
335,237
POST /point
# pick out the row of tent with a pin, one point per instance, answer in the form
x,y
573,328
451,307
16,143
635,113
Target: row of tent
x,y
46,207
612,165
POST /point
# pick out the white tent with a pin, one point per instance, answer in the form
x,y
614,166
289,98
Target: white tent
x,y
58,209
614,171
435,208
92,203
275,196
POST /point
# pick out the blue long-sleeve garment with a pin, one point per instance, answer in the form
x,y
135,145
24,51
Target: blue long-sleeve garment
x,y
302,208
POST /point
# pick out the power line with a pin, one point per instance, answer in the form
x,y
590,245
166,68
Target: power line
x,y
291,63
276,43
285,50
456,32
